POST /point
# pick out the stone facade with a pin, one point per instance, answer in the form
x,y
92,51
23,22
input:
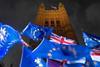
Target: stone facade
x,y
56,18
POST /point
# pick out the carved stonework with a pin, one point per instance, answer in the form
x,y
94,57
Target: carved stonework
x,y
56,18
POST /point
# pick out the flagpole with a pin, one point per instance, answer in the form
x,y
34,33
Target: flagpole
x,y
24,43
21,56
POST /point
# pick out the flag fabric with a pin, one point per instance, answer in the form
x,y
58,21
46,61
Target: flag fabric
x,y
75,52
33,31
61,40
66,63
50,50
36,32
3,52
61,52
74,65
77,63
91,40
8,37
27,59
54,63
96,64
95,55
0,24
48,31
81,61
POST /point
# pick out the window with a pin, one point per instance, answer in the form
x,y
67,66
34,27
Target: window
x,y
52,23
58,23
46,23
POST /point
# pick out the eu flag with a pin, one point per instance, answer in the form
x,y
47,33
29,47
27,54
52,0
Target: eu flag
x,y
48,31
50,50
8,37
29,60
76,52
91,40
36,32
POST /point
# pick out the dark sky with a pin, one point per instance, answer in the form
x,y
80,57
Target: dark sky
x,y
17,13
84,15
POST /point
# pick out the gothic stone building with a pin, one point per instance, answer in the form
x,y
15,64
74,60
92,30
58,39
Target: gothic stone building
x,y
56,18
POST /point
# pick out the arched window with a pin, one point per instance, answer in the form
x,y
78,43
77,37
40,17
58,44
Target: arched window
x,y
46,23
58,23
52,23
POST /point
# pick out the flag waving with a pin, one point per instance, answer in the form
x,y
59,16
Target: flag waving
x,y
36,32
95,55
54,63
91,41
8,37
47,49
29,60
61,40
76,52
0,24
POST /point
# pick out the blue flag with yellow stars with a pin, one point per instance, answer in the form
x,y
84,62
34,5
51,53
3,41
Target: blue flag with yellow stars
x,y
27,59
8,37
76,52
55,51
91,41
36,32
47,49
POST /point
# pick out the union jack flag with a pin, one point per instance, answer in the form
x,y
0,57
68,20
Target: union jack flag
x,y
61,40
95,55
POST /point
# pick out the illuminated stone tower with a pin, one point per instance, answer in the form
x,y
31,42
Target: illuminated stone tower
x,y
56,18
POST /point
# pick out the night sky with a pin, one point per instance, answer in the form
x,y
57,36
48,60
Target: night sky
x,y
17,13
84,15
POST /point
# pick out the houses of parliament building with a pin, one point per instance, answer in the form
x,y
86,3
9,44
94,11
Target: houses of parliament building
x,y
56,18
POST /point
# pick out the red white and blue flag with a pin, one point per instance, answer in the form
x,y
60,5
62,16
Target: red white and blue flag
x,y
95,55
61,40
